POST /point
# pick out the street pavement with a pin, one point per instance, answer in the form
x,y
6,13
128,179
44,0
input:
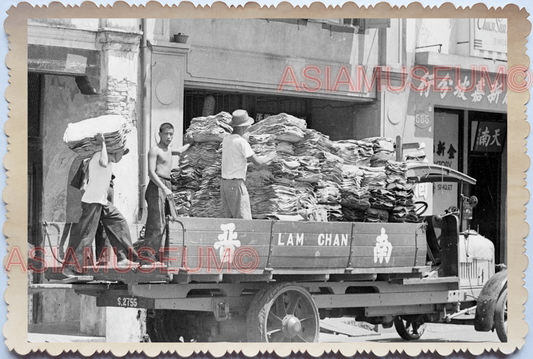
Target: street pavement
x,y
434,333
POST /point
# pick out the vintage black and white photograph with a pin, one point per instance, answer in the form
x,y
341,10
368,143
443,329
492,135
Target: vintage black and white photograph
x,y
267,180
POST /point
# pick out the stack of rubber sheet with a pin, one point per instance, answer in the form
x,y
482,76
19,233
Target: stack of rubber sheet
x,y
187,179
273,188
354,198
331,166
381,200
191,183
211,128
206,201
355,152
289,184
404,209
80,136
283,127
312,143
384,150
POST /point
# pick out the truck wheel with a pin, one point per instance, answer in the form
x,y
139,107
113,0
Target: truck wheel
x,y
283,313
500,317
409,328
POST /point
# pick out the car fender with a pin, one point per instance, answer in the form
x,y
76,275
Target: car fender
x,y
486,302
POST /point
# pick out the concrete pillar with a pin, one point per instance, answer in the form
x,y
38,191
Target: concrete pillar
x,y
119,42
125,325
169,62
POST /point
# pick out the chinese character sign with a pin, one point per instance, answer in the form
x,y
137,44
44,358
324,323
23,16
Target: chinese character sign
x,y
490,137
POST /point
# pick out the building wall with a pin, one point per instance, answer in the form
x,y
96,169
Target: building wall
x,y
256,55
63,104
106,51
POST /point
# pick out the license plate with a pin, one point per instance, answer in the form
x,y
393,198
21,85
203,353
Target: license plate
x,y
123,301
128,302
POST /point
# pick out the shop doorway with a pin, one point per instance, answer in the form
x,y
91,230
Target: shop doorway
x,y
486,169
35,182
196,103
486,163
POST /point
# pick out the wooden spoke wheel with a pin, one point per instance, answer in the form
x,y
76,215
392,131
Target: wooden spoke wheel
x,y
409,328
283,313
500,317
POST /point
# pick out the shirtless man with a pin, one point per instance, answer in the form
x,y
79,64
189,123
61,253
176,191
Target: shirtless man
x,y
158,192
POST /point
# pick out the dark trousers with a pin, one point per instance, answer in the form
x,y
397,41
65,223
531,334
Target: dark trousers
x,y
158,208
114,225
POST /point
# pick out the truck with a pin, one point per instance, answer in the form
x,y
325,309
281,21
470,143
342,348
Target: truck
x,y
273,280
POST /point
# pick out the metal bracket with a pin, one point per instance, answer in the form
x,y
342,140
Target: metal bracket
x,y
220,309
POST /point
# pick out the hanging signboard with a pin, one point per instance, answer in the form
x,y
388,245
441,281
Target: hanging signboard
x,y
490,137
446,153
490,35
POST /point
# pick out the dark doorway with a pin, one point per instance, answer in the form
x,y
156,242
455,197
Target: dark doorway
x,y
35,180
486,168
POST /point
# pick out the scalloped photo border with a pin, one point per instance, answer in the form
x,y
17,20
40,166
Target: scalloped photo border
x,y
15,194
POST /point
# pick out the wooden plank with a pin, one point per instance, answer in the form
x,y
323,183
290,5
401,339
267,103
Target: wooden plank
x,y
310,245
310,251
309,262
207,239
401,251
407,262
398,228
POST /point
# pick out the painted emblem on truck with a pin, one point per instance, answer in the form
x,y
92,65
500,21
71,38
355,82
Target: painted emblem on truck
x,y
227,242
383,248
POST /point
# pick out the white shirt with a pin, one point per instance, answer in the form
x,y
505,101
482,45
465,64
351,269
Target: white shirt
x,y
99,179
235,151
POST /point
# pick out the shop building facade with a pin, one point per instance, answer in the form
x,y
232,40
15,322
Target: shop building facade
x,y
344,76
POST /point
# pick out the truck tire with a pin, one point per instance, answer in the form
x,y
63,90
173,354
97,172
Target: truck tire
x,y
500,316
409,328
283,313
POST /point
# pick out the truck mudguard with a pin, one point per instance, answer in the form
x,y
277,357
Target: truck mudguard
x,y
486,302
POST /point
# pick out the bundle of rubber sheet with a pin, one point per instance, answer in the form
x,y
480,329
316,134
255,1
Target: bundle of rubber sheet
x,y
404,209
331,166
273,199
312,143
274,190
283,127
355,152
353,196
183,200
80,136
211,128
206,201
384,150
191,182
328,192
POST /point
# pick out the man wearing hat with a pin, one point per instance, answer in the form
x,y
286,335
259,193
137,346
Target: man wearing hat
x,y
236,151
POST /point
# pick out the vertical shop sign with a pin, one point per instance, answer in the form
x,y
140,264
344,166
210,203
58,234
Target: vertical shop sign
x,y
445,153
490,137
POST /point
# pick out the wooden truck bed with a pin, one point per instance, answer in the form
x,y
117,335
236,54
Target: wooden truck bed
x,y
206,246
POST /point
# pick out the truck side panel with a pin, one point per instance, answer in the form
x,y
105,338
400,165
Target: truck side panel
x,y
321,246
388,245
233,246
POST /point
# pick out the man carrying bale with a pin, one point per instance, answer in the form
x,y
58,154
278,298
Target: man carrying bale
x,y
236,151
159,196
95,208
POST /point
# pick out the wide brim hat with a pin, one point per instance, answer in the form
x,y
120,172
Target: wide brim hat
x,y
240,118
